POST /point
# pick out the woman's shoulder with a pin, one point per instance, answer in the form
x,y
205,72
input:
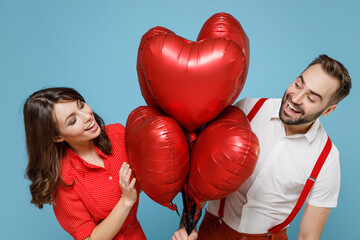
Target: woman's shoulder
x,y
116,134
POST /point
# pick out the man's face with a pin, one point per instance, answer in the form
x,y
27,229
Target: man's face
x,y
308,97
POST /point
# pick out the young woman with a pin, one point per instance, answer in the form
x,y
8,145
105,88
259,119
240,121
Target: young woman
x,y
79,166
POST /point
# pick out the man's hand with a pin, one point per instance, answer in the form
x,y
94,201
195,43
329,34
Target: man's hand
x,y
181,234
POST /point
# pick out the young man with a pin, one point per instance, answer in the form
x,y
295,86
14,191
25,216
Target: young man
x,y
291,139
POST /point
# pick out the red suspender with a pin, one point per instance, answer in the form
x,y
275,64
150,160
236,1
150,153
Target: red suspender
x,y
308,185
250,117
256,108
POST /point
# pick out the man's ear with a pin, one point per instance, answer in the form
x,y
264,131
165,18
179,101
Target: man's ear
x,y
328,110
58,139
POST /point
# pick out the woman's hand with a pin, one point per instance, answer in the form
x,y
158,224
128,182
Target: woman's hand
x,y
111,225
128,188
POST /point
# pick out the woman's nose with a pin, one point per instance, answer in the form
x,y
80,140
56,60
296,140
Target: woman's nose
x,y
86,117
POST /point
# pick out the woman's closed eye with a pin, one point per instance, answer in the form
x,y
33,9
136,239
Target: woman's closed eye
x,y
72,121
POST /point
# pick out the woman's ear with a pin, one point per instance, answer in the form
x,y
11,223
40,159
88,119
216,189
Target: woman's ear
x,y
328,110
58,139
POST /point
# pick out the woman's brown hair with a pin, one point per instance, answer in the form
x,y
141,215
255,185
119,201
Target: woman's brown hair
x,y
43,152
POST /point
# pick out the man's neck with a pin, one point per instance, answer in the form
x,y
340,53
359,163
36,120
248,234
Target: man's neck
x,y
297,129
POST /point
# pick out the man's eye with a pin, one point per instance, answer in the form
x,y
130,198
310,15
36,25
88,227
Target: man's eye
x,y
310,99
297,85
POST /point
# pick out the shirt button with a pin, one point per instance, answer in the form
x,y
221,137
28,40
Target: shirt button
x,y
131,212
128,226
243,238
110,177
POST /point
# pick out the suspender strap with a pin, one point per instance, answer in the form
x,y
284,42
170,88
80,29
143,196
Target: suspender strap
x,y
256,108
221,209
308,185
250,117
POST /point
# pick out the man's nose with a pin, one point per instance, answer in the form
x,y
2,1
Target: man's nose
x,y
298,97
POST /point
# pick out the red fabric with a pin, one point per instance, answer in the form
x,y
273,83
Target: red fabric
x,y
221,208
210,229
95,191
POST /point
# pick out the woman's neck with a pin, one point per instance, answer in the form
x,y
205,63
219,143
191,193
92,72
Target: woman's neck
x,y
88,153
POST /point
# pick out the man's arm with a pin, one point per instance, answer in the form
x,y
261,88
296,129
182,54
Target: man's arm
x,y
313,222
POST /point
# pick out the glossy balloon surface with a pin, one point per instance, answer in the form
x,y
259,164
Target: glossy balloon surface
x,y
194,81
226,26
158,154
146,93
187,84
223,157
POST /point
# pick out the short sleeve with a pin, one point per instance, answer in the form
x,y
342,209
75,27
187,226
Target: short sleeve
x,y
326,189
72,214
115,129
246,104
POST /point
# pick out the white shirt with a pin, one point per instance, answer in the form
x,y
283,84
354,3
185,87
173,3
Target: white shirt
x,y
284,164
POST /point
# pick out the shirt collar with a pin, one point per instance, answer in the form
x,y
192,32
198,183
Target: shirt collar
x,y
75,157
309,135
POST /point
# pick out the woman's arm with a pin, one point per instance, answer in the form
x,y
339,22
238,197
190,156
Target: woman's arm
x,y
111,225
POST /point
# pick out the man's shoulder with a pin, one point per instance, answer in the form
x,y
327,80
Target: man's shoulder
x,y
248,103
334,150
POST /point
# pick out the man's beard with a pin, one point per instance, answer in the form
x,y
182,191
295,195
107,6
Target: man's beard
x,y
299,120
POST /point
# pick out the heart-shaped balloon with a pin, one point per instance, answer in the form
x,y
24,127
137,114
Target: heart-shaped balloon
x,y
158,154
145,92
226,26
194,81
223,157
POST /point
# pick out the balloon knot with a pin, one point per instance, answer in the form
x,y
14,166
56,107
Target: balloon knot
x,y
191,137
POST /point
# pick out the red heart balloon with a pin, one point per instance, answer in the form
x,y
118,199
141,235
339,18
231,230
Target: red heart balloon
x,y
226,26
235,114
223,157
149,99
194,81
158,154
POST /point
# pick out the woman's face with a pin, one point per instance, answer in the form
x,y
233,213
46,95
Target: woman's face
x,y
76,122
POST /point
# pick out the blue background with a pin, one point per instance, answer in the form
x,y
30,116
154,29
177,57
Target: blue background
x,y
92,47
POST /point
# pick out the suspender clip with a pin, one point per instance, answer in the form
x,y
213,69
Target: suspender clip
x,y
312,178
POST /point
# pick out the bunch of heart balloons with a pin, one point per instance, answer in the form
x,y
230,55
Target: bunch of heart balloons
x,y
189,136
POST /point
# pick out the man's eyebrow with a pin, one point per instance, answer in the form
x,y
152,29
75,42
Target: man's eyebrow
x,y
311,91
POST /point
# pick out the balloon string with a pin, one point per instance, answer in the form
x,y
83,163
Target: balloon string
x,y
189,205
174,207
186,212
